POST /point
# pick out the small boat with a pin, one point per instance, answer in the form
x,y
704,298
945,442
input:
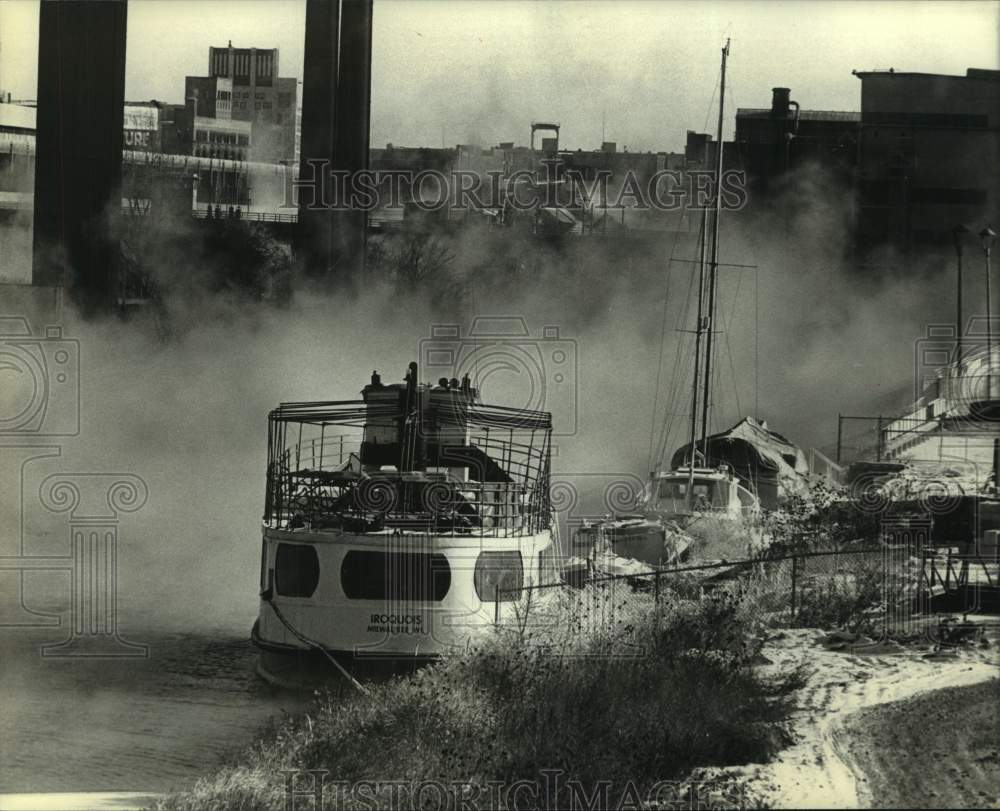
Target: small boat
x,y
398,526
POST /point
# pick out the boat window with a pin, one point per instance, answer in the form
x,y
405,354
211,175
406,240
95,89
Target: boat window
x,y
673,494
296,570
407,576
499,575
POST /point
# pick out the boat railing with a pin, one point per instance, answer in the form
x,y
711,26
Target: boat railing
x,y
352,501
338,465
326,452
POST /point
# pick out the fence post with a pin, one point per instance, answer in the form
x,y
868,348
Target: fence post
x,y
496,604
795,572
656,589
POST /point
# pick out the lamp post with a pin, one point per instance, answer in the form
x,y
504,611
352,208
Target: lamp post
x,y
957,233
987,237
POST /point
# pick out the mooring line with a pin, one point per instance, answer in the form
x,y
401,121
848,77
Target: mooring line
x,y
314,644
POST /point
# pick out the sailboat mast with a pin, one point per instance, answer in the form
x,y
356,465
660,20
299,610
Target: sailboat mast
x,y
698,330
713,272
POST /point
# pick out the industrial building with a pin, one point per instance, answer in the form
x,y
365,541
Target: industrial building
x,y
243,85
773,141
928,159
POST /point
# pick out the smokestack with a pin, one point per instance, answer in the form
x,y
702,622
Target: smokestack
x,y
351,127
80,118
780,101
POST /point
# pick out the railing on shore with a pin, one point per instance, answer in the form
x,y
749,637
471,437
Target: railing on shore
x,y
899,578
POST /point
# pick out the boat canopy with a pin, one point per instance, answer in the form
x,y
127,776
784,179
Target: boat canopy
x,y
764,461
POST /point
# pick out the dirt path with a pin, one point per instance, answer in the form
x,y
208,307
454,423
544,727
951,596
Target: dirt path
x,y
819,770
936,750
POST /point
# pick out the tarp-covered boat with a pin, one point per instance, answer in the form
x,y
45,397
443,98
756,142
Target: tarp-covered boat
x,y
764,461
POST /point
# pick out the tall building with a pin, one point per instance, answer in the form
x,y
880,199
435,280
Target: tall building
x,y
929,159
243,85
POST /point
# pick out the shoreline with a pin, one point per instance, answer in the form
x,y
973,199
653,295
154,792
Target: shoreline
x,y
823,767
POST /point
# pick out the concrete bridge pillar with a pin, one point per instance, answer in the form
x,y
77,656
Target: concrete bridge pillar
x,y
81,97
336,103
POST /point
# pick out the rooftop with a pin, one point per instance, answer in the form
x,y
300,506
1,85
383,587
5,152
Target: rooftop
x,y
970,73
804,115
17,116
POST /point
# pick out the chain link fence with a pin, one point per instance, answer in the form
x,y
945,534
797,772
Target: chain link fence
x,y
884,590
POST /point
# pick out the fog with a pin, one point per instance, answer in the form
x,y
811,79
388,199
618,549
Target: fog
x,y
185,407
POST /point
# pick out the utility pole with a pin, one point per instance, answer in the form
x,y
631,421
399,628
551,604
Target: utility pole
x,y
987,237
957,233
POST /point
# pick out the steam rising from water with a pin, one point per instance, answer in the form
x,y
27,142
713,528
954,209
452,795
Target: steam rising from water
x,y
188,414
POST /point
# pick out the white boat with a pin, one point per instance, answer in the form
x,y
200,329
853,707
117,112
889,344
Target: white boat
x,y
679,494
654,534
397,526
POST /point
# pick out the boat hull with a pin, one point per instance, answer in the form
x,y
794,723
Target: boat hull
x,y
385,598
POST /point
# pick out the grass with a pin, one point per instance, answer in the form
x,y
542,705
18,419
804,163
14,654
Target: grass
x,y
604,686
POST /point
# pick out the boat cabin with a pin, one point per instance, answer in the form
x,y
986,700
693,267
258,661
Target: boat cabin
x,y
684,492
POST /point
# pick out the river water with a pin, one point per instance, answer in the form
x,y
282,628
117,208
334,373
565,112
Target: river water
x,y
131,724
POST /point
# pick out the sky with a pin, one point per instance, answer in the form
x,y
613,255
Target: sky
x,y
479,71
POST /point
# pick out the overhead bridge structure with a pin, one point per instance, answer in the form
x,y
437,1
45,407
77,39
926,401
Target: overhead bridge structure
x,y
79,140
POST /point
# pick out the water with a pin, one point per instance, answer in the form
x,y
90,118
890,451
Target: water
x,y
151,725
